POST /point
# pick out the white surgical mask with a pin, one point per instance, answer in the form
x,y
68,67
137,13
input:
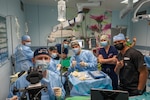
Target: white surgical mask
x,y
54,55
76,50
44,64
65,45
28,43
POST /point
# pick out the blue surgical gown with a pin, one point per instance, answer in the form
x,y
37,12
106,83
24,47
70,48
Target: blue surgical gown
x,y
52,81
53,65
23,58
86,56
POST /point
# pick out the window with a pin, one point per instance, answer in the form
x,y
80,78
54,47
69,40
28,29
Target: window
x,y
3,41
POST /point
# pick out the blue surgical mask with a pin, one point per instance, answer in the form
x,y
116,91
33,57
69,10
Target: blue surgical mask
x,y
65,45
54,55
28,43
44,64
104,43
76,50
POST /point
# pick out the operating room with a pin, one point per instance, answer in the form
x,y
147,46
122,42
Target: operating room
x,y
82,24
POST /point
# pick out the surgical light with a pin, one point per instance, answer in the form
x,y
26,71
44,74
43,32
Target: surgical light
x,y
126,1
61,10
146,16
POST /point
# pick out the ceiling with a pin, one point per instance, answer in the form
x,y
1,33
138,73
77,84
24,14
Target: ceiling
x,y
106,4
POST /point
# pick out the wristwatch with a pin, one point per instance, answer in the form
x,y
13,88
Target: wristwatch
x,y
140,92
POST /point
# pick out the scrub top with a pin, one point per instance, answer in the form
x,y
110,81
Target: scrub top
x,y
109,68
65,50
129,75
53,65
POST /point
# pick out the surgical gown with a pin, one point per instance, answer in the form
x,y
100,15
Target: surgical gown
x,y
53,65
86,56
23,58
52,81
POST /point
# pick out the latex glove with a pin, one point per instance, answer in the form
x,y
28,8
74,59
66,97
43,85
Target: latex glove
x,y
14,98
58,66
57,91
82,63
74,63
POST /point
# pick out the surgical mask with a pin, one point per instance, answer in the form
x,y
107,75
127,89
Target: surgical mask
x,y
54,55
28,43
42,63
65,45
104,43
128,40
119,46
76,50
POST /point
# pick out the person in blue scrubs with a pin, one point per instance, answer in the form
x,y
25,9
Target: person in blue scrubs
x,y
54,65
107,58
50,79
23,55
82,60
63,48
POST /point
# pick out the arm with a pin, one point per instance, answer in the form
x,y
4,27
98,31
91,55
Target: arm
x,y
133,43
28,52
118,66
112,60
92,61
142,69
142,77
71,68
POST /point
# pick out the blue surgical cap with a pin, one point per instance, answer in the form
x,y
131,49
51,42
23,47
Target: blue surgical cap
x,y
25,37
118,37
41,51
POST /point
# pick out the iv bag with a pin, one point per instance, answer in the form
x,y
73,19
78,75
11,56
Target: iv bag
x,y
61,10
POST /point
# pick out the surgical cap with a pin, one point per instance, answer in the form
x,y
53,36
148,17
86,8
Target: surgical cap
x,y
74,43
41,51
104,37
66,40
25,37
118,37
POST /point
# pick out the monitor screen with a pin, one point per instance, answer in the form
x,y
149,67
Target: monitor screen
x,y
103,94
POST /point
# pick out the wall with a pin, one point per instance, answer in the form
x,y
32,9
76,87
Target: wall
x,y
10,9
121,22
41,20
141,30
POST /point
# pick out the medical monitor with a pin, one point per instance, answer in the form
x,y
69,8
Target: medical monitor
x,y
103,94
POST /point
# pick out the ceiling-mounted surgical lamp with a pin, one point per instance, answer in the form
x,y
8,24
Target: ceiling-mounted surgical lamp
x,y
146,16
127,9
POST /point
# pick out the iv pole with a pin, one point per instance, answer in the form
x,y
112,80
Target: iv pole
x,y
61,18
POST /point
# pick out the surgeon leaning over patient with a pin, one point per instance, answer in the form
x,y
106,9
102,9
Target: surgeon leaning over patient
x,y
131,67
51,79
23,55
82,60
